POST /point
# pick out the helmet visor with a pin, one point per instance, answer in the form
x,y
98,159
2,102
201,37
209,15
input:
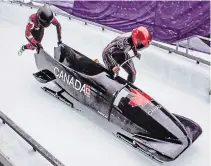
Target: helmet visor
x,y
44,23
140,45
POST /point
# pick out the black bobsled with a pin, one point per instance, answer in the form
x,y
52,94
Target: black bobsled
x,y
129,113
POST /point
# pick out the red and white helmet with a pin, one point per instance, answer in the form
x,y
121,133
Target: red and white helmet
x,y
141,37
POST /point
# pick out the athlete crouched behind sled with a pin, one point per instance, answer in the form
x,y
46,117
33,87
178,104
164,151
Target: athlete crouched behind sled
x,y
35,28
116,52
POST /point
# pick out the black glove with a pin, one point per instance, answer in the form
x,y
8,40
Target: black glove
x,y
136,53
39,46
59,42
138,56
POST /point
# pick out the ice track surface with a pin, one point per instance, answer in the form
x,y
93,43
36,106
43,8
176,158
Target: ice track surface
x,y
176,82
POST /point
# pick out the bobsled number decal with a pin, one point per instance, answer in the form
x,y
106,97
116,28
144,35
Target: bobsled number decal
x,y
139,98
76,84
154,109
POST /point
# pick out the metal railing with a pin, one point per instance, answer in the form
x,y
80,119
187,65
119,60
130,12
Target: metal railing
x,y
4,161
154,43
35,145
188,42
197,59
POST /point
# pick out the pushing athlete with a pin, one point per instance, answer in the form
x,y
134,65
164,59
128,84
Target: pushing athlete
x,y
35,28
116,52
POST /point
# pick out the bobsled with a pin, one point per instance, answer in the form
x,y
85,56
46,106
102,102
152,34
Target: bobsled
x,y
120,107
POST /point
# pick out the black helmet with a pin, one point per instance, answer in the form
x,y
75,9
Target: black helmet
x,y
44,16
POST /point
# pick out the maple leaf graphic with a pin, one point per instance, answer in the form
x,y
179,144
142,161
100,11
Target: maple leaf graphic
x,y
139,98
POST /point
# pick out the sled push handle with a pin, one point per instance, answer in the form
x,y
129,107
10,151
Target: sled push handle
x,y
115,75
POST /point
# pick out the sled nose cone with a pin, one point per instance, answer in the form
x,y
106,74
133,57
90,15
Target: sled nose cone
x,y
168,149
164,150
166,135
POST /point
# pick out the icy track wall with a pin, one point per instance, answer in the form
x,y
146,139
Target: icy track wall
x,y
172,69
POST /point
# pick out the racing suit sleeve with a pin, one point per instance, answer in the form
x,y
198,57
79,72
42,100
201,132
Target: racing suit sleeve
x,y
110,60
29,27
56,23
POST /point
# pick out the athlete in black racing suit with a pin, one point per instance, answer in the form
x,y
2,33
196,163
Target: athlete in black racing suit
x,y
116,52
35,28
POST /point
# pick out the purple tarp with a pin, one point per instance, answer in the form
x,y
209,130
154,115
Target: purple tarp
x,y
169,21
